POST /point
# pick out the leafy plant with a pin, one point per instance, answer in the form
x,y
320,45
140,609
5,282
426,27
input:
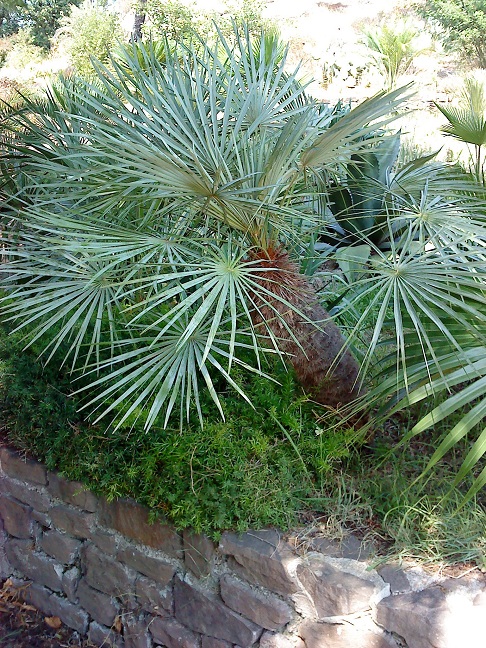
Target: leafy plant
x,y
166,205
42,18
467,122
245,471
90,30
394,48
462,24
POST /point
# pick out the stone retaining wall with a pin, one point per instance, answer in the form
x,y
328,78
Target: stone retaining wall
x,y
109,574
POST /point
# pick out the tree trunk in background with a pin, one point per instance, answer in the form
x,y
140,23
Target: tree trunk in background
x,y
327,381
139,20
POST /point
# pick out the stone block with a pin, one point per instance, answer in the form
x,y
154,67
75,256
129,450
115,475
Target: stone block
x,y
106,574
152,598
326,635
74,522
132,520
17,518
396,577
42,518
202,612
273,640
157,568
264,558
211,642
136,633
39,597
19,467
70,580
263,609
433,617
350,547
6,568
71,615
104,637
60,546
334,591
172,634
35,566
71,492
101,607
198,552
106,542
35,496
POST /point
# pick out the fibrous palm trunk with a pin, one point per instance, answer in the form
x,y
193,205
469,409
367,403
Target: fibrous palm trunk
x,y
313,344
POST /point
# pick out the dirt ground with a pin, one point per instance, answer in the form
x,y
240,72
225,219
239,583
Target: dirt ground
x,y
22,626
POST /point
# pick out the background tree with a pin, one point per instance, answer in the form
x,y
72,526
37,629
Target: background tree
x,y
41,17
10,12
462,25
90,30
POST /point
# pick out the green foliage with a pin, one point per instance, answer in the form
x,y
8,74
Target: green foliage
x,y
171,19
150,192
244,472
467,123
178,21
462,24
394,47
43,18
22,51
90,30
10,12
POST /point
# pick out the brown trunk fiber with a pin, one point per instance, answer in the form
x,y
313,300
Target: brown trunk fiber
x,y
329,382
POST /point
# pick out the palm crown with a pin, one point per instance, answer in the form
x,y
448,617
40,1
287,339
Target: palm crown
x,y
170,196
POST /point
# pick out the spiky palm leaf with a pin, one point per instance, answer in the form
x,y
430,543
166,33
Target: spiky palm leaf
x,y
158,194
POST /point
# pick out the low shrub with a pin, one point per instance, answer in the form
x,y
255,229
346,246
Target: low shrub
x,y
256,468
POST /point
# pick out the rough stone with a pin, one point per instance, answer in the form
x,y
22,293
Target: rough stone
x,y
272,640
158,569
335,592
324,635
198,552
60,546
5,567
136,632
17,517
69,614
35,496
264,558
211,642
76,523
39,568
70,580
38,596
433,617
102,636
42,518
131,520
105,574
14,465
101,607
71,492
349,547
202,612
172,634
265,610
106,542
153,598
396,577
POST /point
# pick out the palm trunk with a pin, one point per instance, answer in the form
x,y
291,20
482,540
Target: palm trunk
x,y
311,345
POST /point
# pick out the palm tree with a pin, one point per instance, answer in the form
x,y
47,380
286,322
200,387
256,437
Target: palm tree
x,y
167,208
467,122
